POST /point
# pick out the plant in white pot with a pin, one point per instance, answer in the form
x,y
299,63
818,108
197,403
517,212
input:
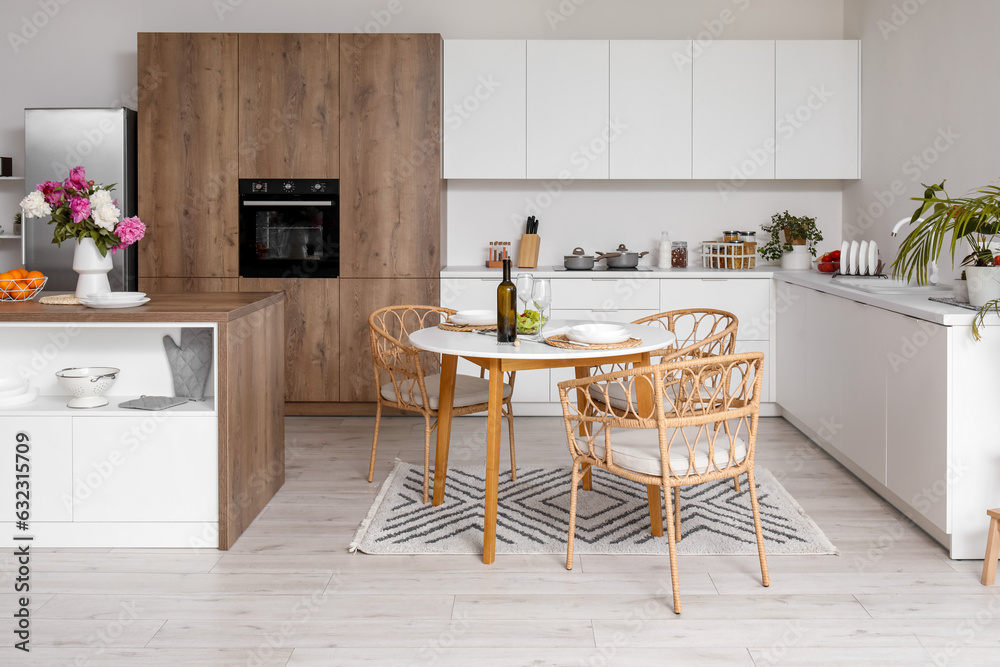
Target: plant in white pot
x,y
975,219
84,211
793,240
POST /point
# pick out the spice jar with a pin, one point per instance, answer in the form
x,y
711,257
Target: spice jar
x,y
679,254
749,249
730,237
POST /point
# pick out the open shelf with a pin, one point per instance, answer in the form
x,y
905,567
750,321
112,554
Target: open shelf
x,y
9,236
11,178
55,406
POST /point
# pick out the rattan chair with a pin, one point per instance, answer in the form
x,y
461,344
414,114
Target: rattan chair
x,y
701,428
403,382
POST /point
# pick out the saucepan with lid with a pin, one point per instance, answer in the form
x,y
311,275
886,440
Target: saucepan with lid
x,y
579,260
622,258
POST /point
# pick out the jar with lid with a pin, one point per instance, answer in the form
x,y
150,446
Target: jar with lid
x,y
749,249
679,254
730,237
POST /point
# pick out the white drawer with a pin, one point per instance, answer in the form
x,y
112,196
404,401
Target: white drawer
x,y
610,315
747,298
529,386
606,294
50,464
469,293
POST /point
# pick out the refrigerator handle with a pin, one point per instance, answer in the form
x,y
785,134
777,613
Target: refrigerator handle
x,y
24,233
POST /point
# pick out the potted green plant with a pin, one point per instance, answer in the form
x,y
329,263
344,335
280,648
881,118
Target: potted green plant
x,y
975,219
793,240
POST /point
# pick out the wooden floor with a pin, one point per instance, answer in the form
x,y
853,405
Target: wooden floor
x,y
289,593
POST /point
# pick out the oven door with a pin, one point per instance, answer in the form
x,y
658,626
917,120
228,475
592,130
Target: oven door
x,y
289,236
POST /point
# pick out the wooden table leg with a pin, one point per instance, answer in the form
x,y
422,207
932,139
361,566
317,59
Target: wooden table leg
x,y
493,419
644,396
992,550
449,363
581,405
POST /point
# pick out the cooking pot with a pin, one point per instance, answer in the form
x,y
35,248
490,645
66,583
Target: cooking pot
x,y
578,261
622,258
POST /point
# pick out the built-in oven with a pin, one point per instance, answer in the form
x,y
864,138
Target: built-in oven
x,y
289,228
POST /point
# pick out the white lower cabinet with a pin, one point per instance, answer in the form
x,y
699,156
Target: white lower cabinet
x,y
747,298
50,467
146,468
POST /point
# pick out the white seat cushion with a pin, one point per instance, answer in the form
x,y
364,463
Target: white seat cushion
x,y
469,390
638,450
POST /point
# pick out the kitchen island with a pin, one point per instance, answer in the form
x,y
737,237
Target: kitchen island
x,y
195,475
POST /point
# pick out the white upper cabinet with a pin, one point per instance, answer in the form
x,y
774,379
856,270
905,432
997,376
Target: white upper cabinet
x,y
568,128
734,111
484,108
817,95
651,109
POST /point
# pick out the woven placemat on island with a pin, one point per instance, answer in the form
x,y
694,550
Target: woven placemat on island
x,y
448,326
60,300
562,341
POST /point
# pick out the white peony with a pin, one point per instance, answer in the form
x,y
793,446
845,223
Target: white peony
x,y
35,206
99,199
105,216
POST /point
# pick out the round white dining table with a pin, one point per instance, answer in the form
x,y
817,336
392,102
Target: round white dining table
x,y
498,358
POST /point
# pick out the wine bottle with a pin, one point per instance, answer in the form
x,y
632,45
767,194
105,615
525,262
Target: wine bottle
x,y
506,307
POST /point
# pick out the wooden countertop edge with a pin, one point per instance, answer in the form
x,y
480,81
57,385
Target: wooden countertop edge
x,y
32,311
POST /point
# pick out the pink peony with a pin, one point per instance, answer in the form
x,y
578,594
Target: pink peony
x,y
128,232
80,208
77,179
52,192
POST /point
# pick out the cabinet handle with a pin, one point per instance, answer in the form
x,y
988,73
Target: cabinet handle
x,y
715,280
605,280
604,310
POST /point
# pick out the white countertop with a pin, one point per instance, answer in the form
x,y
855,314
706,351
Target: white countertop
x,y
657,273
919,307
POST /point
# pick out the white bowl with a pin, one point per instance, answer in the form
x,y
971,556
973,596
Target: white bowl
x,y
12,386
87,385
598,333
474,317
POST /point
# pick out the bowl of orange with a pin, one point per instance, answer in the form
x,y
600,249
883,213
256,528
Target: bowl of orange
x,y
21,285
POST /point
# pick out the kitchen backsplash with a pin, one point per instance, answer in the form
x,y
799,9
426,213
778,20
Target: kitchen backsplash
x,y
599,215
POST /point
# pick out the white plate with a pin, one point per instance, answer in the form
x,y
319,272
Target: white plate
x,y
21,399
117,296
12,386
129,304
845,250
853,268
598,333
863,258
872,257
474,317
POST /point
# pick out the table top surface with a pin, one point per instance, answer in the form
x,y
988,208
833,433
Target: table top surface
x,y
472,344
162,307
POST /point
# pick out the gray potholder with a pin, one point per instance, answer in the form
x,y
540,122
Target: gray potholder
x,y
153,402
191,362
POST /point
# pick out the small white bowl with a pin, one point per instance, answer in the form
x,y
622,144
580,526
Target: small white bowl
x,y
474,317
87,385
598,333
12,386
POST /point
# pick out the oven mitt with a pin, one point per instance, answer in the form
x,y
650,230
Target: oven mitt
x,y
191,362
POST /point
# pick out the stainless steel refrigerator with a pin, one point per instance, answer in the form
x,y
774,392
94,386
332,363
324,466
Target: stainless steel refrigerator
x,y
103,141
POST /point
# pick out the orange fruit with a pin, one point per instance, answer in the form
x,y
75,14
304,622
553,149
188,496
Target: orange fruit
x,y
6,281
35,279
22,288
19,273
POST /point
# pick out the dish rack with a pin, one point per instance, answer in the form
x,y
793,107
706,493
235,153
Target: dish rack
x,y
732,256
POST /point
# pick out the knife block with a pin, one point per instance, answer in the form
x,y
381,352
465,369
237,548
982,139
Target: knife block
x,y
527,255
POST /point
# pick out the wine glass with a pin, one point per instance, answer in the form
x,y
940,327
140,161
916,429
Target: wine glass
x,y
523,286
541,296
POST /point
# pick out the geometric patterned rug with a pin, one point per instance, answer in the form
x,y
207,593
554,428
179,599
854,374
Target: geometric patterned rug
x,y
613,518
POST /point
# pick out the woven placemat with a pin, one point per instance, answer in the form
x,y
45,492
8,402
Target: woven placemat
x,y
60,300
952,301
448,326
562,341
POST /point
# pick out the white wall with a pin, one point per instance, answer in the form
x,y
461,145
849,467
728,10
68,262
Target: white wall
x,y
930,106
82,53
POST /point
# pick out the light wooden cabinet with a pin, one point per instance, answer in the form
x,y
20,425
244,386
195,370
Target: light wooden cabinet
x,y
650,100
188,154
358,299
733,123
186,285
312,335
289,111
568,125
485,106
916,408
817,110
390,185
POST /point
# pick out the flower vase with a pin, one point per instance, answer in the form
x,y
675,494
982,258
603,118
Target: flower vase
x,y
92,268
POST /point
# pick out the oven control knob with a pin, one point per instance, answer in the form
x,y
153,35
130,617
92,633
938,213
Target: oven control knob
x,y
288,186
318,187
258,186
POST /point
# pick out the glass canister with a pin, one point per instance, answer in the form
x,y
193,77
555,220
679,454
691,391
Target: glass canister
x,y
730,237
749,240
679,254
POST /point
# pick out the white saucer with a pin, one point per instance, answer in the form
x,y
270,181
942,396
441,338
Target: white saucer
x,y
27,397
474,317
115,304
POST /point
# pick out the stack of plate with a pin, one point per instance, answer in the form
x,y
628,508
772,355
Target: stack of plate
x,y
474,317
598,334
15,391
115,300
859,259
